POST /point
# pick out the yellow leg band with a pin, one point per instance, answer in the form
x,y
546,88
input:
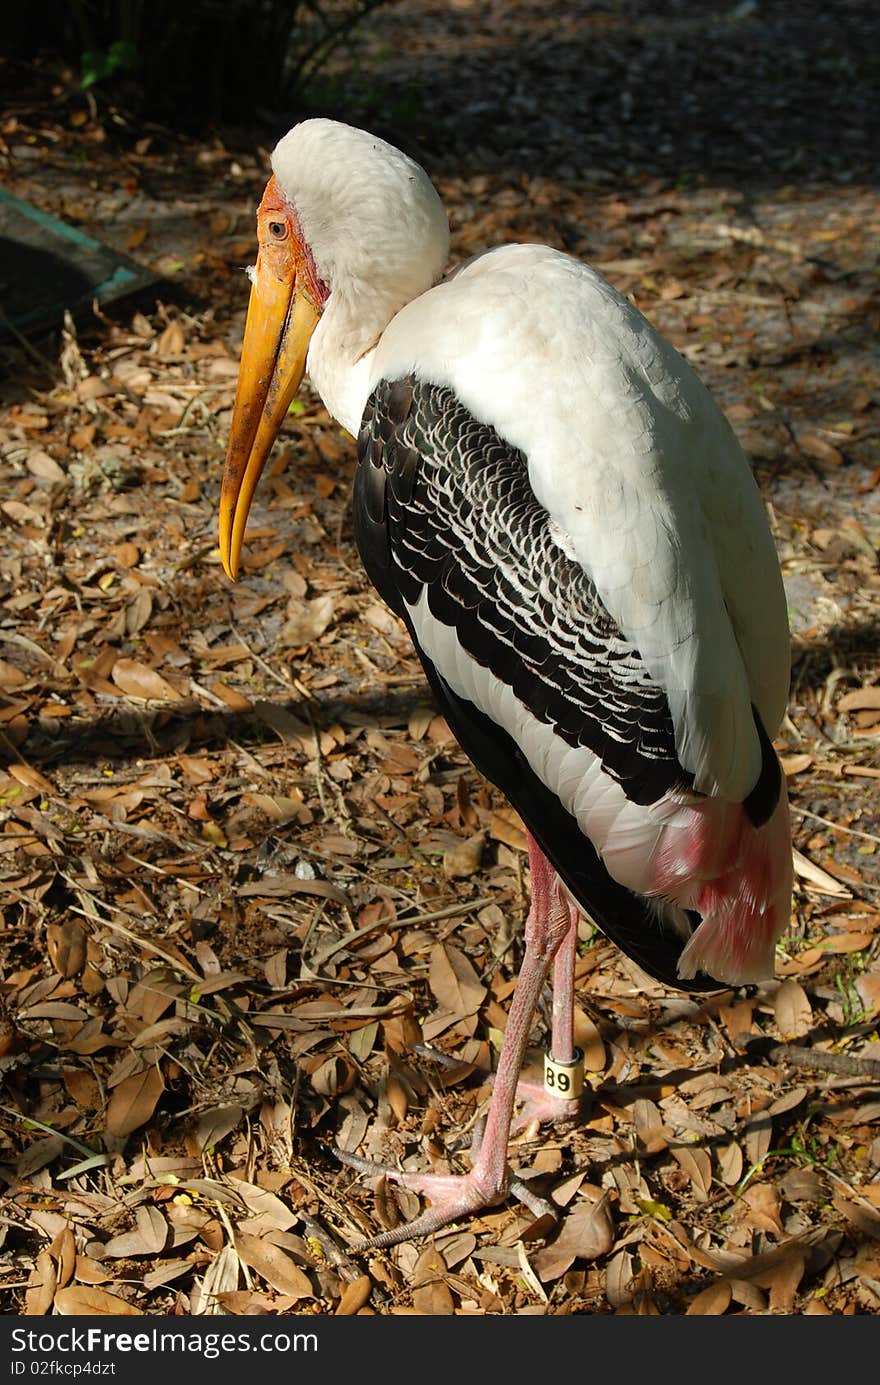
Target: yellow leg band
x,y
564,1079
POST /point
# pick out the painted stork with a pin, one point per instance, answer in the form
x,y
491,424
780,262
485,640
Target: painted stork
x,y
559,512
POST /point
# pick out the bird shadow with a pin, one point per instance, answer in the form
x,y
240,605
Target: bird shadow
x,y
130,732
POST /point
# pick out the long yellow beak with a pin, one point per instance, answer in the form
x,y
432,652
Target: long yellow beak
x,y
280,321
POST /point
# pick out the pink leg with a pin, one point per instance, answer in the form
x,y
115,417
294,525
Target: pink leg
x,y
562,1042
538,1104
548,926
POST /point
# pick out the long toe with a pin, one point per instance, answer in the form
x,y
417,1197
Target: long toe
x,y
451,1196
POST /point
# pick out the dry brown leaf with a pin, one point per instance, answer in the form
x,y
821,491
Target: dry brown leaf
x,y
748,1294
259,557
220,1278
730,1164
802,1185
126,555
54,1010
171,342
817,877
66,946
620,1277
89,1271
126,1246
215,982
334,1076
11,676
11,1041
587,1233
783,1281
845,943
139,680
274,1265
757,1132
138,612
279,807
42,1284
134,1100
795,764
265,1206
31,778
792,1010
711,1302
431,1294
453,981
200,771
81,1300
38,1154
165,1272
63,1252
697,1164
652,1133
354,1297
420,719
152,1226
307,621
283,885
230,696
396,1095
760,1207
737,1019
507,826
19,513
465,858
40,464
457,1247
863,1218
868,987
820,448
787,1101
861,699
214,1125
247,1302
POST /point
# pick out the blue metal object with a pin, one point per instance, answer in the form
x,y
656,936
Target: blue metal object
x,y
47,266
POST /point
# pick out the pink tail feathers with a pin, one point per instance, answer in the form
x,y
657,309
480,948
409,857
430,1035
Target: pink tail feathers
x,y
739,879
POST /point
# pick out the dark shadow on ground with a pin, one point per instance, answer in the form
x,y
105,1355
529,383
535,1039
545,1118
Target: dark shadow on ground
x,y
127,732
131,732
755,94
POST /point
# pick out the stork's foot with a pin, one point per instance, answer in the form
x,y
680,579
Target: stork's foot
x,y
550,924
451,1196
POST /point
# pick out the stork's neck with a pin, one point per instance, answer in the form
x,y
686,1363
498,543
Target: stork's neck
x,y
343,347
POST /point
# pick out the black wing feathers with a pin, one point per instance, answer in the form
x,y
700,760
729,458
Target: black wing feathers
x,y
443,503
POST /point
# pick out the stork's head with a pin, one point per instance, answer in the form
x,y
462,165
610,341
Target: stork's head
x,y
344,216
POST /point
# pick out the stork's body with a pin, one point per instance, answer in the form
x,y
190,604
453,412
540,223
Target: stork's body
x,y
556,507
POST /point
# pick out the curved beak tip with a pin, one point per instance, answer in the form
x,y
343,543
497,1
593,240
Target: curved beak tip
x,y
272,364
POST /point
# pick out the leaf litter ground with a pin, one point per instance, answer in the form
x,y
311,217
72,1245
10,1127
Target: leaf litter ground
x,y
250,885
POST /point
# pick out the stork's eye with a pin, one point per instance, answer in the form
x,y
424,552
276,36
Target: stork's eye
x,y
278,229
